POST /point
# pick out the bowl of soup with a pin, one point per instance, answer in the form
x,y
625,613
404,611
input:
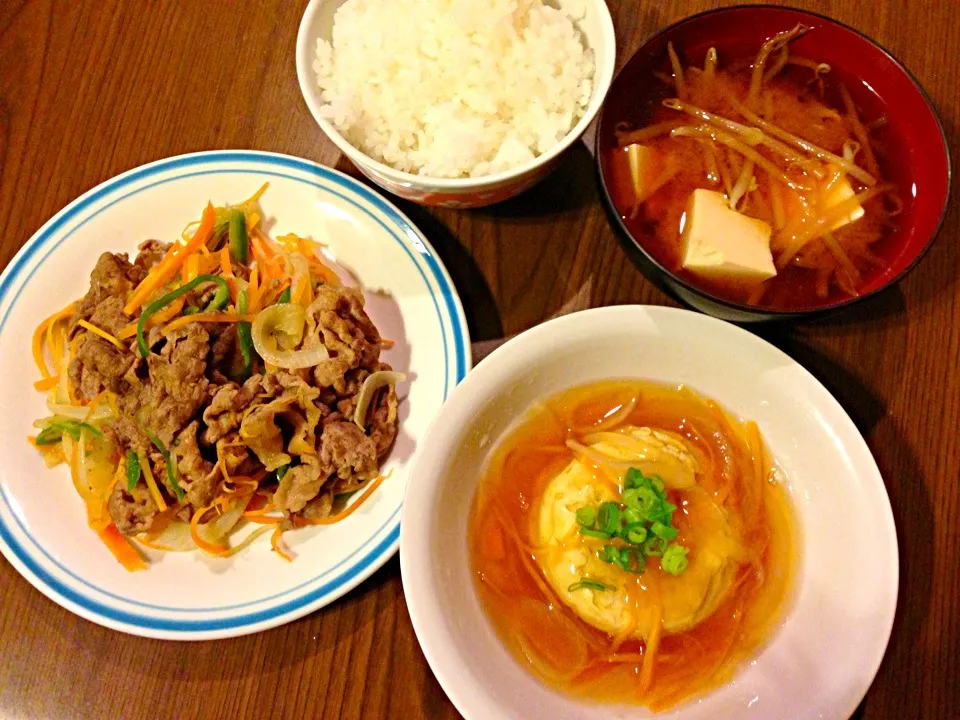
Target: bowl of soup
x,y
766,163
600,520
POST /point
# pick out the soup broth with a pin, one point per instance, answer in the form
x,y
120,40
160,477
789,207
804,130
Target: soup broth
x,y
783,143
646,649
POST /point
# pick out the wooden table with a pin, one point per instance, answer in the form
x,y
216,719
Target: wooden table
x,y
89,88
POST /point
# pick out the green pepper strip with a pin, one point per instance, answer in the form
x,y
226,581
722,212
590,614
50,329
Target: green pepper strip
x,y
53,432
284,297
133,470
219,300
239,243
171,470
246,338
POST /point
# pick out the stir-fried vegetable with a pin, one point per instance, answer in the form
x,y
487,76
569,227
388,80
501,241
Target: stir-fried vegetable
x,y
239,243
265,287
54,430
374,382
219,300
133,470
277,330
244,335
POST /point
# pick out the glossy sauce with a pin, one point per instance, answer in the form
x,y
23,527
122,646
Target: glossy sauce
x,y
549,638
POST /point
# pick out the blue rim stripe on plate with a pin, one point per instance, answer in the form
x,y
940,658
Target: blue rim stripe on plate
x,y
412,237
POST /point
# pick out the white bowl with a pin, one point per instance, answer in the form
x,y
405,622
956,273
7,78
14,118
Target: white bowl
x,y
822,656
597,28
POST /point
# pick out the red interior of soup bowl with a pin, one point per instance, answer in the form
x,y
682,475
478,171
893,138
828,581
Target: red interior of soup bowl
x,y
915,156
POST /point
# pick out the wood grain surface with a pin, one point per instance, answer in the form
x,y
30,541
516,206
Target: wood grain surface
x,y
90,88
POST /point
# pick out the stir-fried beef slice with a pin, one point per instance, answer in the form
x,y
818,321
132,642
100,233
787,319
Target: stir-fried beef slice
x,y
225,410
382,420
299,486
282,422
109,316
224,348
337,317
98,365
347,389
235,456
133,511
198,477
346,451
112,277
319,507
177,381
151,252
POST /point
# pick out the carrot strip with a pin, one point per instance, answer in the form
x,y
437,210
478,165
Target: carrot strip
x,y
121,548
386,344
101,333
275,544
152,484
227,267
350,509
37,342
210,548
167,269
47,383
205,317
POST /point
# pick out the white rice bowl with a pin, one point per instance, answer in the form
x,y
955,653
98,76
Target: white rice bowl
x,y
454,88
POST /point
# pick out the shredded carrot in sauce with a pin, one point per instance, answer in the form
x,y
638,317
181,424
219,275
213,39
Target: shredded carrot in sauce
x,y
347,511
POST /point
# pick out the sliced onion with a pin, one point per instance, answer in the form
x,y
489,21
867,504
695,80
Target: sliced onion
x,y
176,535
279,328
103,411
374,382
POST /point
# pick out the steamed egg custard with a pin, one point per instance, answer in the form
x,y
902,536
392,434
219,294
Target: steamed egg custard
x,y
632,542
622,606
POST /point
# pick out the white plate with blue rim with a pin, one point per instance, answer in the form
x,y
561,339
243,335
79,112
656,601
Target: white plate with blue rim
x,y
190,596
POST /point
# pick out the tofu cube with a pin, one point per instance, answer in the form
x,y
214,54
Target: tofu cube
x,y
842,190
722,244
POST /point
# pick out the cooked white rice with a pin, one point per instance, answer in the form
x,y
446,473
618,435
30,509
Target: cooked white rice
x,y
454,88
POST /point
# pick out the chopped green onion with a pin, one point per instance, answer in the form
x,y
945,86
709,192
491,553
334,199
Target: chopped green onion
x,y
629,497
590,532
636,534
588,583
657,483
586,516
655,546
674,560
634,479
667,532
608,554
647,501
632,516
631,561
133,470
608,519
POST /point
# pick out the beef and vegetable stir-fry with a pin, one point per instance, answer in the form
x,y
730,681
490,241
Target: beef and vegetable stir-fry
x,y
223,380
